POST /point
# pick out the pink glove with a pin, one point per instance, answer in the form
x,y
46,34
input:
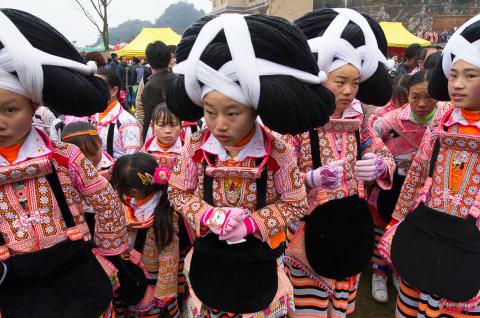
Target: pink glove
x,y
223,220
246,227
328,177
372,167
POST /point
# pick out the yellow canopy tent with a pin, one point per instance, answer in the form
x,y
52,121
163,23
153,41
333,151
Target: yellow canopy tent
x,y
398,36
146,36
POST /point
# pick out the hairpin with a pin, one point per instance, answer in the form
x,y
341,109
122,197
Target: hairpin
x,y
82,133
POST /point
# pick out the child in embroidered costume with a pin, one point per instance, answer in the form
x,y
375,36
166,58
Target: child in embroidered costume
x,y
165,146
142,186
84,136
119,130
331,246
401,130
433,238
47,268
236,184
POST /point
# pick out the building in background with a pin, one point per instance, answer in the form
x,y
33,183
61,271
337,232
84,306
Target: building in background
x,y
287,9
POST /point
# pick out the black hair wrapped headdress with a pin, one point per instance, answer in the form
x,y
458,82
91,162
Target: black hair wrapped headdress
x,y
261,61
37,62
463,45
343,36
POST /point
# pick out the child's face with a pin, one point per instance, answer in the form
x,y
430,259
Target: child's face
x,y
16,112
421,103
228,120
464,85
166,133
344,83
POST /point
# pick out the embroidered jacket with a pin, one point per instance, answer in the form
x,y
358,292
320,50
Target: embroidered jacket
x,y
402,134
164,158
126,136
339,142
453,188
286,201
457,152
30,219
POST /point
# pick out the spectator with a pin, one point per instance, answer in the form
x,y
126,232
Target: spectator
x,y
410,60
159,56
114,62
121,71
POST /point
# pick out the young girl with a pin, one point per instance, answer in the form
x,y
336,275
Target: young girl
x,y
401,130
165,145
119,130
433,239
47,268
235,183
83,135
331,246
142,186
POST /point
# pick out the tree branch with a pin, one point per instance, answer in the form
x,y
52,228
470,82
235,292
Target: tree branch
x,y
97,9
88,15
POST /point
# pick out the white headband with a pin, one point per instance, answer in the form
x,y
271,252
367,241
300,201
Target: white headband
x,y
244,67
19,56
461,48
335,52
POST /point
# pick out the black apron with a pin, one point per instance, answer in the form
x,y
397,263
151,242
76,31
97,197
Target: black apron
x,y
438,253
339,235
64,280
387,199
133,282
238,278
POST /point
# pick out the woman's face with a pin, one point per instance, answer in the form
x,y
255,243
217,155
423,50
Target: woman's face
x,y
421,103
228,120
464,85
344,83
16,112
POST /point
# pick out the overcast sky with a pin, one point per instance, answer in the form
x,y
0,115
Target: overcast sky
x,y
67,18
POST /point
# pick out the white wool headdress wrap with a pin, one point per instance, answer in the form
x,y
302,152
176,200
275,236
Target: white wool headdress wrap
x,y
461,49
244,68
19,56
335,52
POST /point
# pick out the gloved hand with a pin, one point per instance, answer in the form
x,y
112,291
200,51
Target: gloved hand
x,y
372,167
327,177
244,228
224,219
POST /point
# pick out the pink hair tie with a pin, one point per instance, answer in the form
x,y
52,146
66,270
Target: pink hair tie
x,y
162,175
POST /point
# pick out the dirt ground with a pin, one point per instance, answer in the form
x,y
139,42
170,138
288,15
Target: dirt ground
x,y
366,306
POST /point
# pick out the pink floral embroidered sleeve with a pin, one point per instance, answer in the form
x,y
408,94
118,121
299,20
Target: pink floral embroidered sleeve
x,y
371,142
131,137
182,190
110,229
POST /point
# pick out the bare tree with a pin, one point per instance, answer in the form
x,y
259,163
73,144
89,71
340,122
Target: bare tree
x,y
101,10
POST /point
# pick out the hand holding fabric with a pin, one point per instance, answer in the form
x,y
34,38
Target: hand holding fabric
x,y
222,220
372,167
328,177
244,228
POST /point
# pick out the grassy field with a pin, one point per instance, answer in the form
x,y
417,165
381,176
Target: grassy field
x,y
366,306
